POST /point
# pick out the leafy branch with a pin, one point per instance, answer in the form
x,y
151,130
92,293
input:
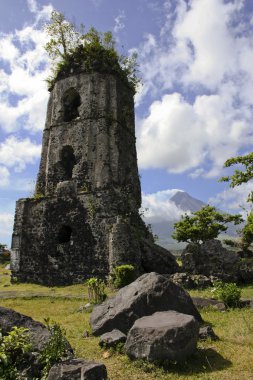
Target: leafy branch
x,y
70,49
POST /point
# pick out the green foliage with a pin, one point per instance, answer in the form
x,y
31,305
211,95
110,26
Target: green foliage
x,y
123,275
93,51
5,256
202,225
240,176
96,290
38,196
3,247
63,35
13,350
247,231
229,293
55,349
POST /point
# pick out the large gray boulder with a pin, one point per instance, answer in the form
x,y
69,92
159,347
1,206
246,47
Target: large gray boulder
x,y
38,332
211,259
76,369
166,335
157,259
246,271
148,294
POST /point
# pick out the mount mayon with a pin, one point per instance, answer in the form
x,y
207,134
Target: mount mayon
x,y
164,229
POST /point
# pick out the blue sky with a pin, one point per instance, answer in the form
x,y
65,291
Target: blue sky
x,y
193,111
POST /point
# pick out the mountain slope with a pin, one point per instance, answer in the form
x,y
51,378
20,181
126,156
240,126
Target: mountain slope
x,y
184,202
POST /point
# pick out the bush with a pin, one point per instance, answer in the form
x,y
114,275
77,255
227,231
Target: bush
x,y
5,256
123,275
96,290
55,349
14,348
229,293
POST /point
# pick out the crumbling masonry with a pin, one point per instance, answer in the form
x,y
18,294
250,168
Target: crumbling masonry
x,y
83,219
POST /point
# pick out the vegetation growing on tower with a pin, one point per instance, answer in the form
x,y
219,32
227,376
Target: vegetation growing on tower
x,y
71,51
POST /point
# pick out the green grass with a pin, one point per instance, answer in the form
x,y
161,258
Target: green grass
x,y
230,358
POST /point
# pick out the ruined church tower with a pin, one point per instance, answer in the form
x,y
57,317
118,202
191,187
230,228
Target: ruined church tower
x,y
83,219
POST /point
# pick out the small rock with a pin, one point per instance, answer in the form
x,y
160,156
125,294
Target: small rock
x,y
86,307
207,332
86,334
191,281
106,354
76,369
246,303
163,336
201,303
112,338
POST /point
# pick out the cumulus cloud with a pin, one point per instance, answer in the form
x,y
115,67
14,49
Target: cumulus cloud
x,y
208,118
6,225
234,199
18,154
23,92
179,136
4,176
119,23
158,207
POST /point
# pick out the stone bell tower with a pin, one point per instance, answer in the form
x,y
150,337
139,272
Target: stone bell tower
x,y
83,219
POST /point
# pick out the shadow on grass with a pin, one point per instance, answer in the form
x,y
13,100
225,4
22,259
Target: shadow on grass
x,y
202,361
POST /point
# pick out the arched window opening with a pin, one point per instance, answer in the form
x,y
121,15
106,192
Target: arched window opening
x,y
64,234
68,162
71,102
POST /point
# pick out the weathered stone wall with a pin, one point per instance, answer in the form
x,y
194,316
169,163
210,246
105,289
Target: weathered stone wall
x,y
101,135
83,219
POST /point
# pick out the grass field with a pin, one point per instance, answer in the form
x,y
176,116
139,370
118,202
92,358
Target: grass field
x,y
230,358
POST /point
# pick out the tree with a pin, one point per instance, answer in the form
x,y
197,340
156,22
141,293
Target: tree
x,y
94,51
2,247
247,231
240,176
236,179
64,38
202,225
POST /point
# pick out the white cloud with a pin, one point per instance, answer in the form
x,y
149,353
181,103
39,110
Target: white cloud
x,y
4,176
164,138
23,92
6,225
18,154
180,136
234,199
158,207
212,45
119,24
9,52
32,5
209,58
